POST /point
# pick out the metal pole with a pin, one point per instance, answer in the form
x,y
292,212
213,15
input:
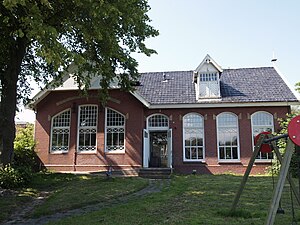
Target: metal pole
x,y
275,138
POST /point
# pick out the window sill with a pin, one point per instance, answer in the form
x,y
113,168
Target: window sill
x,y
229,162
115,153
86,152
58,152
258,161
195,161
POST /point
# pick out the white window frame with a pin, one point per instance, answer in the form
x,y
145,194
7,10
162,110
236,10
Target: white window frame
x,y
237,133
122,150
60,127
87,127
196,146
262,128
158,128
207,81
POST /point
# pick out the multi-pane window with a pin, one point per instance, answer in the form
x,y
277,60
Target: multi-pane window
x,y
228,141
87,127
209,86
208,77
115,131
60,132
158,121
193,136
262,121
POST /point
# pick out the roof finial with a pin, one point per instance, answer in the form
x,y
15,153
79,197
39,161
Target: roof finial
x,y
273,58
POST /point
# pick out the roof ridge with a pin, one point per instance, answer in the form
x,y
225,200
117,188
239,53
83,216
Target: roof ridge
x,y
175,71
247,68
178,71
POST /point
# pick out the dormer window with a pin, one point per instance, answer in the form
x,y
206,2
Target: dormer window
x,y
209,86
207,79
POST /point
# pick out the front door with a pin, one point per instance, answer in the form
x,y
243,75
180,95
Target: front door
x,y
158,149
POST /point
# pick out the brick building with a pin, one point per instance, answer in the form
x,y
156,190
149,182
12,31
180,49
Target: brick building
x,y
202,120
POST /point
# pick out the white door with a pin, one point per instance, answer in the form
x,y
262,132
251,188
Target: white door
x,y
170,148
146,149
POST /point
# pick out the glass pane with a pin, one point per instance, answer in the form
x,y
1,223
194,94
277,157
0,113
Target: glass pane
x,y
194,153
54,139
59,140
121,138
81,139
66,140
221,151
158,121
200,141
93,139
228,153
200,153
187,153
234,153
109,139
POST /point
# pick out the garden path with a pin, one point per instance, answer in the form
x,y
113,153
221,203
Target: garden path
x,y
19,217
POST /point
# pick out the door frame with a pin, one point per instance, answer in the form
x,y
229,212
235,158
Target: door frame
x,y
146,141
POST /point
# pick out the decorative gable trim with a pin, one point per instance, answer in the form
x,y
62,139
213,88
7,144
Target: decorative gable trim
x,y
208,60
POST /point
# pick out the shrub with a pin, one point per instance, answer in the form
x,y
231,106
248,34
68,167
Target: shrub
x,y
20,171
11,177
24,154
281,143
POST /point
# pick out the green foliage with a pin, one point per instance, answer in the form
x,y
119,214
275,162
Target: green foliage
x,y
97,36
281,143
20,171
24,154
298,87
11,177
43,40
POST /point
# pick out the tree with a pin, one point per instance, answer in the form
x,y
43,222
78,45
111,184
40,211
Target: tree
x,y
298,87
41,38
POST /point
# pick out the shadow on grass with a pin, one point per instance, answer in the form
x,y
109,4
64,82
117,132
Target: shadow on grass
x,y
246,214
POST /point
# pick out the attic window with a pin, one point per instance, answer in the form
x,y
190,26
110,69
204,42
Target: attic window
x,y
208,77
209,85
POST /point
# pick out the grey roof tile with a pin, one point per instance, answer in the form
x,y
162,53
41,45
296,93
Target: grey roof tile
x,y
262,84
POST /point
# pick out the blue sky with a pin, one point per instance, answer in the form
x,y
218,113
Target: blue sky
x,y
234,33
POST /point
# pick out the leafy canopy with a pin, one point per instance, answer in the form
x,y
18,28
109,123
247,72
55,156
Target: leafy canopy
x,y
98,36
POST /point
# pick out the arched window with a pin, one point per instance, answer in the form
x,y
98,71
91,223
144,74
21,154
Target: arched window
x,y
87,128
60,131
193,136
228,137
158,121
262,121
114,131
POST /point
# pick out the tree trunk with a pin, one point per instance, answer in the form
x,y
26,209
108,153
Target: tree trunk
x,y
8,106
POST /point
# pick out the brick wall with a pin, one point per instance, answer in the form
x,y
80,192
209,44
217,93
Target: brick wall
x,y
136,115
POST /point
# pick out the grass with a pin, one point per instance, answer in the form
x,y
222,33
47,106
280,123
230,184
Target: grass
x,y
192,199
203,199
68,191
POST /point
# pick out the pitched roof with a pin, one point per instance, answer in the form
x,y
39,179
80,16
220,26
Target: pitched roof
x,y
261,84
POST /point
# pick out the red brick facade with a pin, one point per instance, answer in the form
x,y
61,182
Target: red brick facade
x,y
136,114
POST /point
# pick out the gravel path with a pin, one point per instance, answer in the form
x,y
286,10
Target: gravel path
x,y
19,217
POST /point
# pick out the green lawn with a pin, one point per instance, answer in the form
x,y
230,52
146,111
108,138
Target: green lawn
x,y
192,199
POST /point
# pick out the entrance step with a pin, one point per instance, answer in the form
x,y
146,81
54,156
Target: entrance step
x,y
155,173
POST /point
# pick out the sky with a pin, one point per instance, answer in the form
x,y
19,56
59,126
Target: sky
x,y
236,34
